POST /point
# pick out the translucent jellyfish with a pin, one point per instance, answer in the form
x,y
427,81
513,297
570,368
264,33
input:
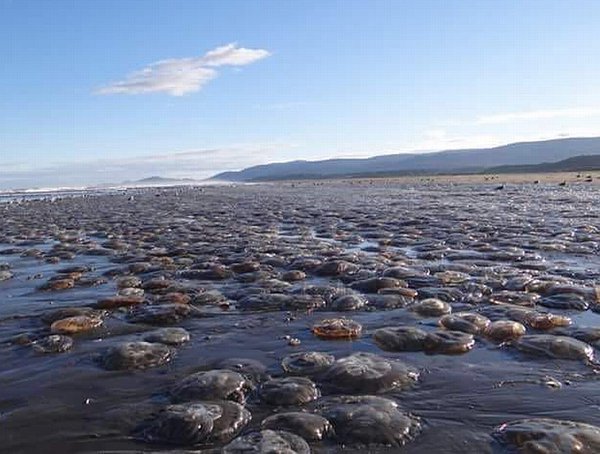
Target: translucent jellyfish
x,y
560,347
431,307
221,384
369,373
194,423
268,442
370,420
309,426
449,342
168,336
400,339
136,355
289,391
549,436
306,363
251,369
467,322
504,330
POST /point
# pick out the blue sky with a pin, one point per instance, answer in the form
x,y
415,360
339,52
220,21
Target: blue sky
x,y
100,91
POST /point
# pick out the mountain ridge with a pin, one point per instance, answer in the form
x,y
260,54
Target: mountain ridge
x,y
574,164
466,160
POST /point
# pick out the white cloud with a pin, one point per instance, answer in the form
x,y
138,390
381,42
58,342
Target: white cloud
x,y
232,55
175,77
179,76
577,112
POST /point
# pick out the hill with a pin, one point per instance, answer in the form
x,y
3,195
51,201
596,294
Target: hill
x,y
584,163
450,161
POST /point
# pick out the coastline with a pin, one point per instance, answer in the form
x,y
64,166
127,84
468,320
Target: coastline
x,y
489,179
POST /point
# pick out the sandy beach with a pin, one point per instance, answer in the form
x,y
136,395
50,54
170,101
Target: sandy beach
x,y
570,178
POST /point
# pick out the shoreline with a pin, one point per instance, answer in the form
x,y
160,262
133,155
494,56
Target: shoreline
x,y
491,179
547,178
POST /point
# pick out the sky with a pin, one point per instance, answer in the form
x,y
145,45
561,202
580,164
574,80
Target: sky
x,y
103,91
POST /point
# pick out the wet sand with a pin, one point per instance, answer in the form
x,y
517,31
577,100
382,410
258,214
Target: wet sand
x,y
571,178
247,271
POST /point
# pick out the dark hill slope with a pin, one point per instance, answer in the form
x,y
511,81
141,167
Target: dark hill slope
x,y
583,163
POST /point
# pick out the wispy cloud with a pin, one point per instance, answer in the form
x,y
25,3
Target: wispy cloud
x,y
232,55
577,112
200,163
441,139
180,76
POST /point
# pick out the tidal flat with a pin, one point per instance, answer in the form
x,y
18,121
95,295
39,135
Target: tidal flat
x,y
375,316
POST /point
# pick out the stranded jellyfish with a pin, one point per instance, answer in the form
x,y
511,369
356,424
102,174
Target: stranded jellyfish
x,y
560,347
549,436
467,322
369,373
289,391
194,423
219,384
370,420
306,363
307,425
136,355
337,328
268,441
